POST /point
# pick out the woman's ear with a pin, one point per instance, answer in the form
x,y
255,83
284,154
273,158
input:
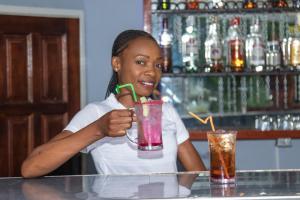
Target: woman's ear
x,y
115,63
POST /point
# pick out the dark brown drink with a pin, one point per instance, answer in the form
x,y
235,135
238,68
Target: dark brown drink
x,y
222,156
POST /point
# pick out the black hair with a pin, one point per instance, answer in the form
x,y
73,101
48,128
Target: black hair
x,y
120,44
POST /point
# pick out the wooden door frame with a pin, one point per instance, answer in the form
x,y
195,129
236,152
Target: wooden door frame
x,y
58,13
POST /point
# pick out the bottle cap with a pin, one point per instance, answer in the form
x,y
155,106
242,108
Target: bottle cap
x,y
235,21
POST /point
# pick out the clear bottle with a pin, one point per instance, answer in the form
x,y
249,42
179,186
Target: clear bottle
x,y
285,49
165,41
213,48
255,48
273,55
235,45
295,47
218,4
296,3
190,46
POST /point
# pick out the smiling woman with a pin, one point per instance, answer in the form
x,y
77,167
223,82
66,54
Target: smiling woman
x,y
140,64
100,128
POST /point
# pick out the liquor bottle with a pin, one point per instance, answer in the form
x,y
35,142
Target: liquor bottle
x,y
273,55
165,41
235,45
249,4
280,4
295,48
296,3
192,4
163,5
179,4
190,46
218,4
213,48
273,51
255,48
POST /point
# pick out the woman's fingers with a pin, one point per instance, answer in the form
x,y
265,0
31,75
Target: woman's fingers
x,y
119,122
121,113
118,129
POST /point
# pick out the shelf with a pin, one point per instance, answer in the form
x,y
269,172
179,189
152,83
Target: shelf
x,y
226,11
251,134
248,113
245,73
269,92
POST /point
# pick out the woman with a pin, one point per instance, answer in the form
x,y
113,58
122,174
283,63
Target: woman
x,y
100,128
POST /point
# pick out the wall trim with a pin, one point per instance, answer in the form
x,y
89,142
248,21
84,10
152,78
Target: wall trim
x,y
59,13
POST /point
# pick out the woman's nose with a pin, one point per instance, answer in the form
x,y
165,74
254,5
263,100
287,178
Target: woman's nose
x,y
151,70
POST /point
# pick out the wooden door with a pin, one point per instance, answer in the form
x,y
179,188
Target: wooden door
x,y
39,85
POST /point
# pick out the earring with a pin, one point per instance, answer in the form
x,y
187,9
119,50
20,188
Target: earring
x,y
116,69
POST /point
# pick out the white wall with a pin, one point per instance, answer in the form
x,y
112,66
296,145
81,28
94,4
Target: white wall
x,y
104,20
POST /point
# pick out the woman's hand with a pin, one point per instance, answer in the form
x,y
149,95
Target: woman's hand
x,y
116,122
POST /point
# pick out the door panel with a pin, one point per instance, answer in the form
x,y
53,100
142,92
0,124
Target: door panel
x,y
18,141
51,125
54,66
39,70
18,79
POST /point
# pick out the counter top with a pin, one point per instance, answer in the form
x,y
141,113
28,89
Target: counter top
x,y
280,184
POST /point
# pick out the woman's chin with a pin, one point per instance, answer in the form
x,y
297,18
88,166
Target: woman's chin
x,y
145,94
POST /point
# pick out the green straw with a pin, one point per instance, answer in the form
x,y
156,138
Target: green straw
x,y
118,87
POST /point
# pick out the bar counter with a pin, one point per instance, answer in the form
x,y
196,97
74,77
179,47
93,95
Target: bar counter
x,y
264,184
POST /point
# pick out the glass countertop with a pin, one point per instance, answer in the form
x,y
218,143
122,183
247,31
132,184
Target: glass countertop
x,y
262,184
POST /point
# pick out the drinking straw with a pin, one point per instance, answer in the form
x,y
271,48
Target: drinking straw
x,y
205,120
214,140
118,87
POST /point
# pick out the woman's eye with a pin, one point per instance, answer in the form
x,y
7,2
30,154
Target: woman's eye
x,y
159,65
140,62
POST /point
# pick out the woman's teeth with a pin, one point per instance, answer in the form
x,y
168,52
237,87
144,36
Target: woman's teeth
x,y
147,83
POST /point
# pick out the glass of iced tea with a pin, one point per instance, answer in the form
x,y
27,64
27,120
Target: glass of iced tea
x,y
222,155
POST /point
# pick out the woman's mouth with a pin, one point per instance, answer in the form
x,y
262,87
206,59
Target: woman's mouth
x,y
148,84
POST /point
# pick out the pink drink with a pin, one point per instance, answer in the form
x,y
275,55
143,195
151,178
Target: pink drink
x,y
149,125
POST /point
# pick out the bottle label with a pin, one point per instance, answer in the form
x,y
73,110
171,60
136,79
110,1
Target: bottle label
x,y
257,54
216,52
192,46
295,52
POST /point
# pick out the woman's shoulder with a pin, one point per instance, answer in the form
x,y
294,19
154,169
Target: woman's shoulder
x,y
104,104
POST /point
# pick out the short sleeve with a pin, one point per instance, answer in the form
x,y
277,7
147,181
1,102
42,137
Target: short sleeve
x,y
182,133
83,118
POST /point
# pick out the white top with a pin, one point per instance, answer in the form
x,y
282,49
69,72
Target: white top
x,y
118,155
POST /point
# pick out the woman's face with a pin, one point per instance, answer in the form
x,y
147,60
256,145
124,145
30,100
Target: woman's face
x,y
140,64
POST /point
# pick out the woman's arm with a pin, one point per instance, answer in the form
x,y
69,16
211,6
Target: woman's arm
x,y
189,157
49,156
